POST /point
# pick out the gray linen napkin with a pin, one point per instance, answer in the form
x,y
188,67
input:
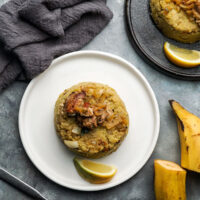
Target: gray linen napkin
x,y
34,32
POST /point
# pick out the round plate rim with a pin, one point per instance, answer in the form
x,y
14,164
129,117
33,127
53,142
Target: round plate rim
x,y
150,60
154,104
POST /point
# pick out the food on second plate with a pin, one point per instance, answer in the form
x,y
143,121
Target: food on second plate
x,y
91,119
94,172
169,181
191,8
174,22
189,132
182,57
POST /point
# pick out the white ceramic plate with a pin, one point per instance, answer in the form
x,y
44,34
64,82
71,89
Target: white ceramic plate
x,y
36,123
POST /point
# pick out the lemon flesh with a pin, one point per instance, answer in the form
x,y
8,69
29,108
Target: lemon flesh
x,y
94,172
182,57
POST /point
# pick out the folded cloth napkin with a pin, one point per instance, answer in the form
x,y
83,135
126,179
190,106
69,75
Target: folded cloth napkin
x,y
34,32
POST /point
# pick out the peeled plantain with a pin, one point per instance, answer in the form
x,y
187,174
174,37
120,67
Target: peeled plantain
x,y
189,133
169,181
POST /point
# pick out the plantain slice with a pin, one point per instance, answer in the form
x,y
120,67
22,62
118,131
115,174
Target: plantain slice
x,y
169,182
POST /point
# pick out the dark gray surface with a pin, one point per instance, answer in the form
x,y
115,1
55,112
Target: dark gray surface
x,y
114,40
20,185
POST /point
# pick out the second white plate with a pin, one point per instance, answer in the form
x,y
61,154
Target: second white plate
x,y
36,114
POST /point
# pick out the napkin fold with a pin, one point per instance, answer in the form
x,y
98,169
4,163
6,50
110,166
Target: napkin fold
x,y
34,32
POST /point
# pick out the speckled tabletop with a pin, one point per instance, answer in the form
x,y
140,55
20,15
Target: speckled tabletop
x,y
113,39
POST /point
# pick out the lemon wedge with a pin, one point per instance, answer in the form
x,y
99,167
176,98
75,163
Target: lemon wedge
x,y
94,172
182,57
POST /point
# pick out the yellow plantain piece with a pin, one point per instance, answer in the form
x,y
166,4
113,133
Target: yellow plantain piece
x,y
169,182
189,133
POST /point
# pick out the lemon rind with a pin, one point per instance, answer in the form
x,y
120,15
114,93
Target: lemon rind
x,y
97,174
169,52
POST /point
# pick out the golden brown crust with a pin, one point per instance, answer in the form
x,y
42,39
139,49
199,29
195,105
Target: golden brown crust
x,y
101,140
174,22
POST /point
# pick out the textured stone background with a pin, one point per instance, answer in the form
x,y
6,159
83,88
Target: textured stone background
x,y
113,39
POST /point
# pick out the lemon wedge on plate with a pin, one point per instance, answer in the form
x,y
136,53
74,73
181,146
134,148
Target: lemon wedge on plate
x,y
94,172
182,57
